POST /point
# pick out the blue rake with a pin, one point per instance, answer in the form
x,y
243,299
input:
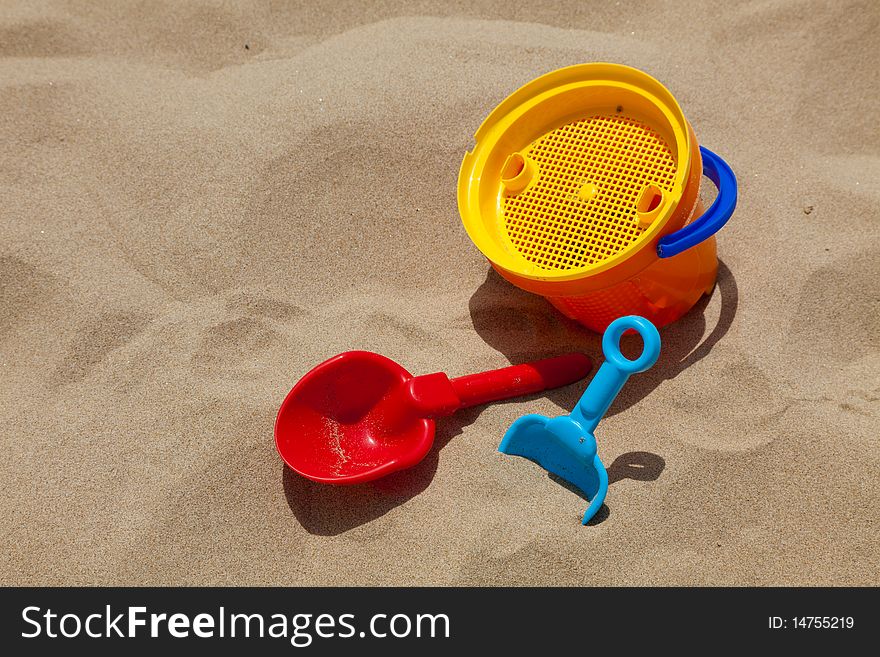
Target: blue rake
x,y
565,445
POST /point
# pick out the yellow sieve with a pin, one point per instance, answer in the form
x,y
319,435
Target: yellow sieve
x,y
575,172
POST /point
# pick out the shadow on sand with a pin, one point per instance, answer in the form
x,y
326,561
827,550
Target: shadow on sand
x,y
523,327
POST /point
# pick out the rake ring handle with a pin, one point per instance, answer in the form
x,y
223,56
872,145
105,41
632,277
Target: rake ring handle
x,y
617,368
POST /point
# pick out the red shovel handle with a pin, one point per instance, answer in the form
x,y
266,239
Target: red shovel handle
x,y
520,380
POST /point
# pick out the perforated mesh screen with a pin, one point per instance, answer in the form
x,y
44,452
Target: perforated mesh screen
x,y
550,225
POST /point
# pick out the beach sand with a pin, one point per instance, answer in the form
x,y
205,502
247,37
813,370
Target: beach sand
x,y
201,201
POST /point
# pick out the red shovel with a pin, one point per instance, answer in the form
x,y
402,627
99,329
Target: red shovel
x,y
360,416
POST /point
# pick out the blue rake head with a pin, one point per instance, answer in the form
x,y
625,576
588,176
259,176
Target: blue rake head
x,y
565,445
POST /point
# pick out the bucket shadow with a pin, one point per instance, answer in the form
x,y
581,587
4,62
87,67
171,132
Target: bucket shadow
x,y
638,466
523,326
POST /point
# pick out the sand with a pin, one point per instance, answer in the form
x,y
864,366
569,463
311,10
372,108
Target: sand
x,y
201,201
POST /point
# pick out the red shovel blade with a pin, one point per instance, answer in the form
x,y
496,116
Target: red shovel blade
x,y
360,416
331,427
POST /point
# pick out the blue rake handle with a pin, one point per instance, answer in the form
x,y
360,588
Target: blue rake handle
x,y
607,383
616,369
570,450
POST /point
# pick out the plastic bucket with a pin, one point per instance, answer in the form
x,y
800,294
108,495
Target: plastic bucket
x,y
584,187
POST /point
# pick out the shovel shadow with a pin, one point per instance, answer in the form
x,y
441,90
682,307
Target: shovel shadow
x,y
327,510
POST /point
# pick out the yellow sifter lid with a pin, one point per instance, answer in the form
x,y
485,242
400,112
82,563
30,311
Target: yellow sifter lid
x,y
575,171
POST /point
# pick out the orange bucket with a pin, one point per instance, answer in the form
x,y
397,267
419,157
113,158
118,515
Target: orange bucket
x,y
584,187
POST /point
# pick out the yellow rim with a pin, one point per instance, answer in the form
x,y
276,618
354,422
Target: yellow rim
x,y
506,180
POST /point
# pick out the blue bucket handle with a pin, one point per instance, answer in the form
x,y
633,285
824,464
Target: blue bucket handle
x,y
716,170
